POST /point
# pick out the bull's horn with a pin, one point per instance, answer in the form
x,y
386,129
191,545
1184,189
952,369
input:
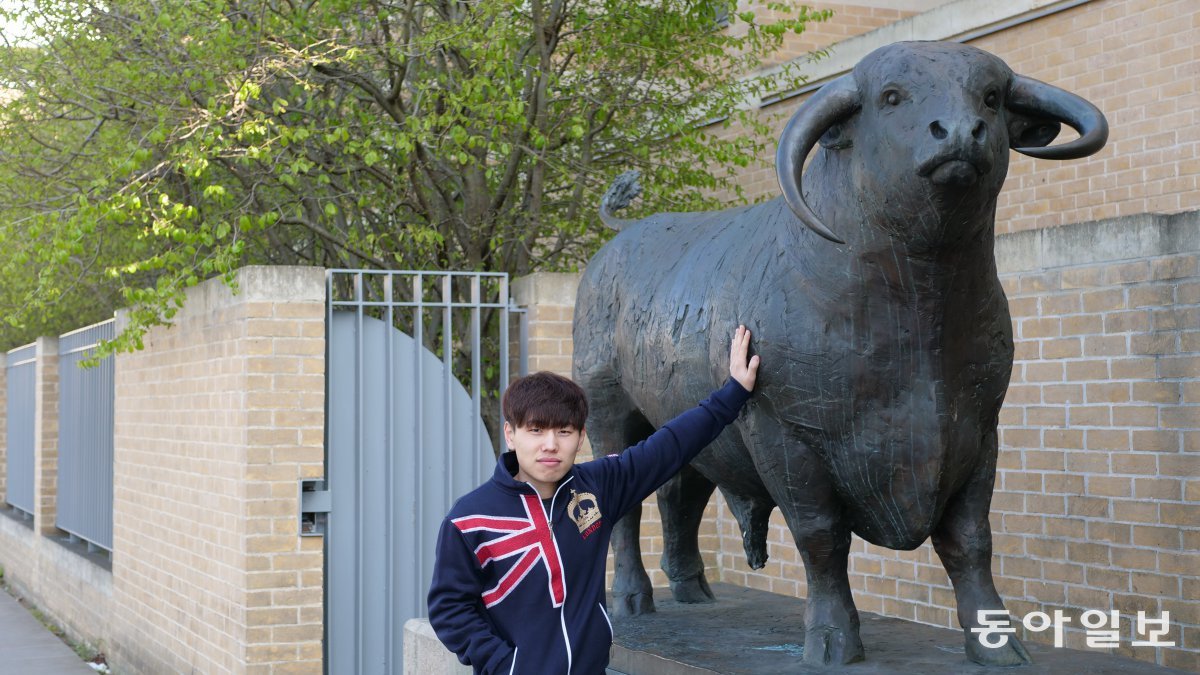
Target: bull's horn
x,y
831,104
1027,95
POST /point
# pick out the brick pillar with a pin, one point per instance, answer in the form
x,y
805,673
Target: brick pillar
x,y
45,435
549,299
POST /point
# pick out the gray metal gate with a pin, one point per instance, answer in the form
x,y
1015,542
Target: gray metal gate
x,y
86,405
21,367
415,360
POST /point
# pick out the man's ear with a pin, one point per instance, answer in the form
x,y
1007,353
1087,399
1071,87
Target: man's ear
x,y
508,436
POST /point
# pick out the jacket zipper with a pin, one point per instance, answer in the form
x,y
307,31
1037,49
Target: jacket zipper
x,y
562,619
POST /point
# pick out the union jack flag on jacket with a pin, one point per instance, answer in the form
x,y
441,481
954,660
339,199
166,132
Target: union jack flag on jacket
x,y
519,583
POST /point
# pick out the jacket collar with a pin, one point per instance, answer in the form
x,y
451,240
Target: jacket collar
x,y
506,469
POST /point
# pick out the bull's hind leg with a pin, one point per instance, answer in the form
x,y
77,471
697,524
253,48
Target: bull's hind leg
x,y
632,593
681,502
963,540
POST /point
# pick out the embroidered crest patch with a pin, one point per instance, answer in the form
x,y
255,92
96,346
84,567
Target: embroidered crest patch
x,y
584,511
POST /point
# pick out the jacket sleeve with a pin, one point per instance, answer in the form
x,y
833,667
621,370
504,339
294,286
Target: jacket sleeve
x,y
456,610
631,476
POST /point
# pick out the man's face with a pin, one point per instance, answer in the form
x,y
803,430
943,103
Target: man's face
x,y
544,454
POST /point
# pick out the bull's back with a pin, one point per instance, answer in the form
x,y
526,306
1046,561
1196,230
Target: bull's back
x,y
649,299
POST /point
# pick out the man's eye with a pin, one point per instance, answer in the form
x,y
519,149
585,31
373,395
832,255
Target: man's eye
x,y
534,430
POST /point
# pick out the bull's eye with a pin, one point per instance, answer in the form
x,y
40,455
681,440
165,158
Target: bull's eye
x,y
891,97
991,100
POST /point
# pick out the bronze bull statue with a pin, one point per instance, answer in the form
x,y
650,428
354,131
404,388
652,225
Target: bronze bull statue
x,y
872,293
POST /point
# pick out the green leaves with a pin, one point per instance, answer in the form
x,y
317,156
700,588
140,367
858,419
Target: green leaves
x,y
152,145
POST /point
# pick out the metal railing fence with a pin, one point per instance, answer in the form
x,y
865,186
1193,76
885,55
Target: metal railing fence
x,y
85,452
417,362
20,367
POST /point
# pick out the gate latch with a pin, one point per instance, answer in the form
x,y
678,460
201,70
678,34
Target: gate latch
x,y
314,507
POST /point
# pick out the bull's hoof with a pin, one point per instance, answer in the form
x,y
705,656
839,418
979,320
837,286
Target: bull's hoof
x,y
829,646
693,590
632,604
1011,653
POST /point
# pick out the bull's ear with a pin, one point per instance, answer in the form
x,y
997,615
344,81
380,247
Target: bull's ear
x,y
837,137
1031,132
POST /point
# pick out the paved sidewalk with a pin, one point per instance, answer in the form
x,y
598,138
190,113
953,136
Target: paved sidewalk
x,y
27,648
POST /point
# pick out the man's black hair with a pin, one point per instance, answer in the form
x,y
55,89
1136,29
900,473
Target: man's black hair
x,y
547,400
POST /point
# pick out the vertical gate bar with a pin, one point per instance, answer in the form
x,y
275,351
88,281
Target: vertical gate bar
x,y
359,479
448,369
389,533
419,382
65,489
476,379
110,394
89,448
81,453
329,570
504,319
86,448
89,443
78,452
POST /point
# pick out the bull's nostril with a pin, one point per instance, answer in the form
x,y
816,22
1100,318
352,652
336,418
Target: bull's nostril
x,y
937,130
980,131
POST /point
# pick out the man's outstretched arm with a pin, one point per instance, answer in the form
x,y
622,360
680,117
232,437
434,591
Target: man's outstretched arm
x,y
631,476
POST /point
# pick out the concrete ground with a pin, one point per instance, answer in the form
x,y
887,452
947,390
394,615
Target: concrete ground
x,y
754,632
27,648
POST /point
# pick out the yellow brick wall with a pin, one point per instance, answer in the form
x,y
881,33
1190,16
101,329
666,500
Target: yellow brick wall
x,y
217,420
848,20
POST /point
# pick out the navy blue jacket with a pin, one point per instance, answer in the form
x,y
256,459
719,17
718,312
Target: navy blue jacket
x,y
519,586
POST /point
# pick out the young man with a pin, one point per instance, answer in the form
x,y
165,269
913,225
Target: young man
x,y
518,586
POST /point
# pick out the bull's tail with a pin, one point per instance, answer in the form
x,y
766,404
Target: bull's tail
x,y
624,189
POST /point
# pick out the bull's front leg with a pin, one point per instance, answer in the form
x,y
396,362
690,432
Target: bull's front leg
x,y
963,540
831,627
632,593
803,489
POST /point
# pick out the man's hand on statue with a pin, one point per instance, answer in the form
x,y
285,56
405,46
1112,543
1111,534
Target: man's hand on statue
x,y
745,372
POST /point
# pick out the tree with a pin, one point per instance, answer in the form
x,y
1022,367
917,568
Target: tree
x,y
148,145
